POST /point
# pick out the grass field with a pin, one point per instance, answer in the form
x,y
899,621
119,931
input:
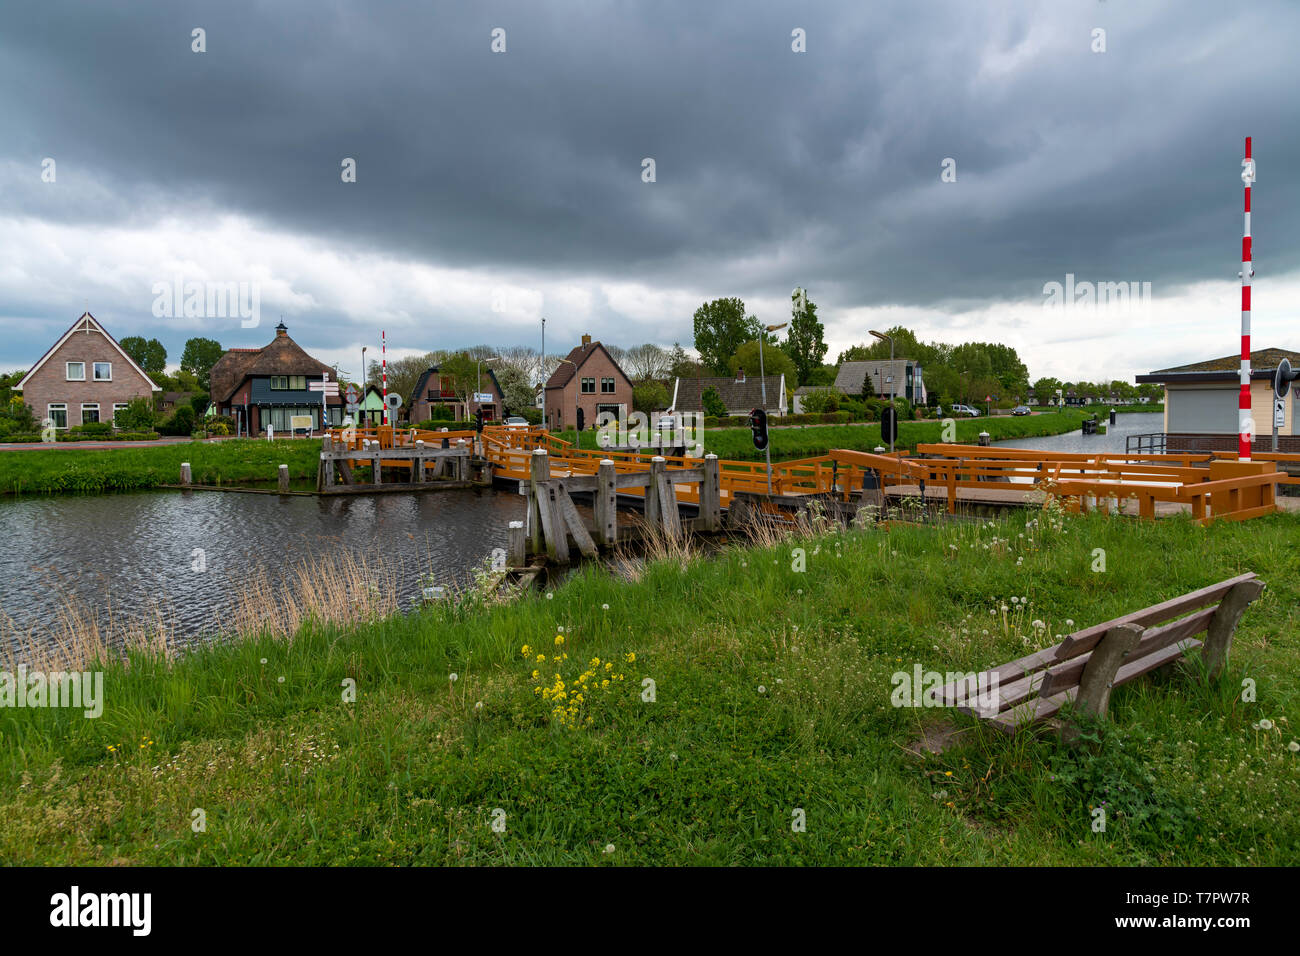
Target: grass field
x,y
771,701
233,461
813,440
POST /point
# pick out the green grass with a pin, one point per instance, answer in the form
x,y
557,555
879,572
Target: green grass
x,y
812,440
233,461
713,770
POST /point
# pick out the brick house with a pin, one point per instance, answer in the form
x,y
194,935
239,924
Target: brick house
x,y
269,386
741,394
85,377
588,381
435,388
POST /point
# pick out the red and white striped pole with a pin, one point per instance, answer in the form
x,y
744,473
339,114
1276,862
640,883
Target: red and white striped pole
x,y
1245,428
383,355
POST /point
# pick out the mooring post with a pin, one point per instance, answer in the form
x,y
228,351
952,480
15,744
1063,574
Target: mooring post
x,y
185,473
284,479
606,503
711,494
462,460
376,463
515,545
653,511
539,470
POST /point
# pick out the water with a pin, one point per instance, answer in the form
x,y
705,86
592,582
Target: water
x,y
137,550
1133,423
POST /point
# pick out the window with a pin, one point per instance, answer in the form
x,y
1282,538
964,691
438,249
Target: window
x,y
76,371
588,386
607,386
103,371
89,413
118,408
58,414
281,383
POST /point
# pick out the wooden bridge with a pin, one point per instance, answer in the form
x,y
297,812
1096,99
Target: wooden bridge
x,y
954,477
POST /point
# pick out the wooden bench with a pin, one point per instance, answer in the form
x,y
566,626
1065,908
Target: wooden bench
x,y
1088,663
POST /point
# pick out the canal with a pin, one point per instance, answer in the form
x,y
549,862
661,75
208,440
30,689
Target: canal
x,y
127,555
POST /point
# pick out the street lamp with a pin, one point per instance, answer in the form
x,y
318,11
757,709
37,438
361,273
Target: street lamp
x,y
762,384
892,383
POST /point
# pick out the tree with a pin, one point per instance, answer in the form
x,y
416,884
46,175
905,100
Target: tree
x,y
649,397
775,362
643,362
805,344
403,373
199,356
681,365
138,416
1045,390
516,389
149,354
713,404
721,327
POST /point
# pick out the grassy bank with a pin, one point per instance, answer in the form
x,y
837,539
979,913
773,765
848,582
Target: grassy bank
x,y
812,440
771,695
233,461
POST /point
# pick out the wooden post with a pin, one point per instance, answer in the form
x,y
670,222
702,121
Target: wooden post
x,y
376,465
462,462
284,479
515,545
417,463
539,470
606,504
711,494
185,473
1218,635
653,512
327,462
1099,674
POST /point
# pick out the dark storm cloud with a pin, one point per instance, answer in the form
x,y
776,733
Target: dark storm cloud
x,y
773,168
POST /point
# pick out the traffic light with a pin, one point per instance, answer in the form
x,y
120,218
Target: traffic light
x,y
889,424
478,420
758,425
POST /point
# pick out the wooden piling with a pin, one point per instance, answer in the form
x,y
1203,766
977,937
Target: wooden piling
x,y
515,537
606,504
284,479
185,473
417,464
711,494
540,470
653,506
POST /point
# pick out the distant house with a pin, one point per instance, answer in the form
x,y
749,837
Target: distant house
x,y
880,379
372,408
169,400
269,386
587,382
1201,402
740,394
803,391
85,377
435,388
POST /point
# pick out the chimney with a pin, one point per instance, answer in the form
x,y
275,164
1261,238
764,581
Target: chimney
x,y
740,376
280,329
586,340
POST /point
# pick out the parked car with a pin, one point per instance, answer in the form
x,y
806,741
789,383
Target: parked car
x,y
1021,410
965,410
516,421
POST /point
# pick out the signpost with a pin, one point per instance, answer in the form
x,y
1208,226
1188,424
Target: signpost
x,y
327,389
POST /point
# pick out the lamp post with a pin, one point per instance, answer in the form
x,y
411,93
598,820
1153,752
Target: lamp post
x,y
762,384
361,412
892,383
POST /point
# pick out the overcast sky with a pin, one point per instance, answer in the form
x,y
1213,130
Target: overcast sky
x,y
496,188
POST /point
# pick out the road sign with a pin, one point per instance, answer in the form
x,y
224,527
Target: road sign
x,y
329,388
353,408
1283,378
352,395
394,401
483,398
1279,412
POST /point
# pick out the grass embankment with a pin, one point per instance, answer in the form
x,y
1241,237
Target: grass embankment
x,y
812,440
772,695
232,461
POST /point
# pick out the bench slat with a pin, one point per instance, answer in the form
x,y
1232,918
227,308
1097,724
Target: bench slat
x,y
1153,639
1080,642
1041,708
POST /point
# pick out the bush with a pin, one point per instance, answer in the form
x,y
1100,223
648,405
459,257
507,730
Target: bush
x,y
180,422
96,430
712,402
138,416
441,413
23,437
531,415
136,436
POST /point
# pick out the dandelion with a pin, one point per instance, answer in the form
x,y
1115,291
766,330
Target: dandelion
x,y
453,677
1265,724
604,607
279,680
1293,747
1069,623
549,595
609,848
263,660
762,689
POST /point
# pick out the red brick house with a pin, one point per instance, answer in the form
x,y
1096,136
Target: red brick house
x,y
84,377
269,386
435,388
588,381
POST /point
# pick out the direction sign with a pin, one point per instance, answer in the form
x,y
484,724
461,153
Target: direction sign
x,y
329,388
